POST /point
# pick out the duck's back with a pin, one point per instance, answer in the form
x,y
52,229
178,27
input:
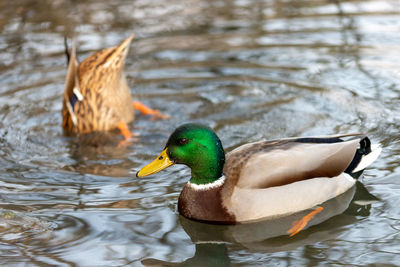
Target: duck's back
x,y
274,163
274,178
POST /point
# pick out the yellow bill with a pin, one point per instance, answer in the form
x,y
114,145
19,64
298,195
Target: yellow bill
x,y
160,163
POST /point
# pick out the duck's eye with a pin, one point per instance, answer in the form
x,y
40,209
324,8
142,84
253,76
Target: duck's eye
x,y
183,141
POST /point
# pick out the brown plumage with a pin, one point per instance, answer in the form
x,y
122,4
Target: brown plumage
x,y
97,96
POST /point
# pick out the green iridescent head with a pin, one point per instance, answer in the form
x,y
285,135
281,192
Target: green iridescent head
x,y
195,146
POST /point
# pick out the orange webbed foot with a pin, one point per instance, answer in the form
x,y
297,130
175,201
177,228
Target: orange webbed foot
x,y
149,111
300,224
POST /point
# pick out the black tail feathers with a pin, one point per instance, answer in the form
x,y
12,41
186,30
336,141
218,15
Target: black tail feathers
x,y
363,150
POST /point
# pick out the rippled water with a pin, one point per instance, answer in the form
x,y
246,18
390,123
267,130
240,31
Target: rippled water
x,y
249,69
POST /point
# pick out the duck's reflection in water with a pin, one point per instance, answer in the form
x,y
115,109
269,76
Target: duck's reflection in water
x,y
100,153
272,235
207,254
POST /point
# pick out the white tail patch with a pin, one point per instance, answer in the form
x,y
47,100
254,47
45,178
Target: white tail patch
x,y
368,159
78,94
348,176
365,202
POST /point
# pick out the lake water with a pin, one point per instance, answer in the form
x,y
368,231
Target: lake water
x,y
251,70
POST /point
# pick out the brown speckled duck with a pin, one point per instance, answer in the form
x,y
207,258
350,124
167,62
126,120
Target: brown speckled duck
x,y
97,95
263,179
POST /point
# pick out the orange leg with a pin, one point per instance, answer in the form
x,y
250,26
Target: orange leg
x,y
123,127
148,111
300,224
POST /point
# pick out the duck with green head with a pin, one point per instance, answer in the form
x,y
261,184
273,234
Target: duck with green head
x,y
263,179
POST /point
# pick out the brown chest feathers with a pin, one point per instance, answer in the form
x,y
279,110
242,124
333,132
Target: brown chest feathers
x,y
204,204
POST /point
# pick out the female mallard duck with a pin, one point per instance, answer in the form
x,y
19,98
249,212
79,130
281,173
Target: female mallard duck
x,y
97,95
262,179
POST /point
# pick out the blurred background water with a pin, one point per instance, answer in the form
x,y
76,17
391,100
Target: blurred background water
x,y
251,70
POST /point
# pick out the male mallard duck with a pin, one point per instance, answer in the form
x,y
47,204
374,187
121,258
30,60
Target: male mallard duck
x,y
96,95
262,179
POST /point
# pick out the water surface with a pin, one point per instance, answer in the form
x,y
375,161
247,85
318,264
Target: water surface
x,y
251,70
